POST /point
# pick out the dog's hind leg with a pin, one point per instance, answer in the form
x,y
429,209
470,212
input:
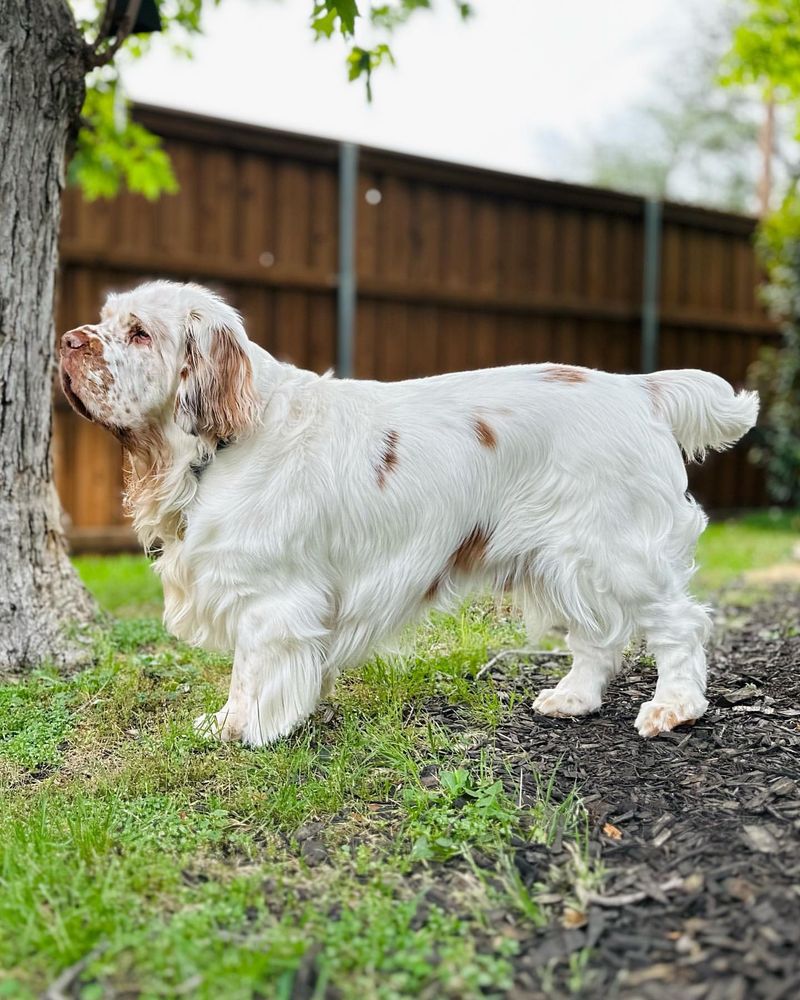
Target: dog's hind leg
x,y
676,628
675,632
596,650
581,691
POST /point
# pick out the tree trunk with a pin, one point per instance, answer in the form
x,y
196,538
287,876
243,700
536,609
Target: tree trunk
x,y
41,93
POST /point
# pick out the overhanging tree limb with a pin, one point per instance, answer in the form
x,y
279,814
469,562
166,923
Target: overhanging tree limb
x,y
99,56
104,27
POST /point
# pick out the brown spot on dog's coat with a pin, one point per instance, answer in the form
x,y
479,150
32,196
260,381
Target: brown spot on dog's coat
x,y
470,553
388,460
472,550
564,373
486,435
434,588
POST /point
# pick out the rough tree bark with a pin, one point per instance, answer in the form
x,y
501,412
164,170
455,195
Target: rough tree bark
x,y
42,69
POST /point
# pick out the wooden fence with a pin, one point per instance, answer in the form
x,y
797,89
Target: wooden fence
x,y
455,267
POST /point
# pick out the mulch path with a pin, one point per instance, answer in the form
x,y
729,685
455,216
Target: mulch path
x,y
698,831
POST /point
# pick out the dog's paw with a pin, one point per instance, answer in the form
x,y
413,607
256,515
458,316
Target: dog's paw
x,y
660,717
561,704
217,726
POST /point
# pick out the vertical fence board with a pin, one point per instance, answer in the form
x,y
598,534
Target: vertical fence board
x,y
426,236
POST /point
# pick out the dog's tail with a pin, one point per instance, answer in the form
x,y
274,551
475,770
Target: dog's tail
x,y
701,408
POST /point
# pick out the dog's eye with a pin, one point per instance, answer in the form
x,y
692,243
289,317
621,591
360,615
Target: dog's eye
x,y
138,336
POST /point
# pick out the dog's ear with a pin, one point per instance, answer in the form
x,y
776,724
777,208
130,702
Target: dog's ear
x,y
216,399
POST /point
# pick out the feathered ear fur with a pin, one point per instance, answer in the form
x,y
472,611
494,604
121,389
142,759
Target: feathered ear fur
x,y
216,399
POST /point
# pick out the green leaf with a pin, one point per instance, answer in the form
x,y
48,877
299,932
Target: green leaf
x,y
421,850
113,151
363,62
327,14
325,24
766,48
454,782
391,16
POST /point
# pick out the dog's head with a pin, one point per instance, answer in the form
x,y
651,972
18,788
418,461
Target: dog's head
x,y
162,353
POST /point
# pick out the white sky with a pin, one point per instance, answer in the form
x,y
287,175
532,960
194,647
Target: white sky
x,y
494,92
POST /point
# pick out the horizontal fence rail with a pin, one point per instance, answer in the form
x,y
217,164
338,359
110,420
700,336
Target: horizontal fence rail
x,y
439,267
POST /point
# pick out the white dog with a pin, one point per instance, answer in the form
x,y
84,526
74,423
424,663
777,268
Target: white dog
x,y
303,519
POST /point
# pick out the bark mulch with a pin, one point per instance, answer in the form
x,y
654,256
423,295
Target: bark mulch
x,y
698,831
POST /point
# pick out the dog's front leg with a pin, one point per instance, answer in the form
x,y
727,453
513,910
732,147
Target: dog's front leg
x,y
277,671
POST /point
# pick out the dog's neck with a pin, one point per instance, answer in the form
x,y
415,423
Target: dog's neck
x,y
159,483
166,465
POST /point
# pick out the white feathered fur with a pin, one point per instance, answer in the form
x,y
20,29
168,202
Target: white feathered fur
x,y
342,510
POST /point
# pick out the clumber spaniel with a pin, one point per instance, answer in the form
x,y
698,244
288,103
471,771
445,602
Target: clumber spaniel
x,y
303,519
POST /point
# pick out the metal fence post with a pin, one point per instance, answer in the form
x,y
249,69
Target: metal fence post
x,y
346,290
650,283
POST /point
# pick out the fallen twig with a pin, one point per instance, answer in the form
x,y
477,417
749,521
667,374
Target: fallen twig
x,y
627,898
59,988
519,652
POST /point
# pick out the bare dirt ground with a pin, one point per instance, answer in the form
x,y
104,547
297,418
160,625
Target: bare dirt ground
x,y
698,832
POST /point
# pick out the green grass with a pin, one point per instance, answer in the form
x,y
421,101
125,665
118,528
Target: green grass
x,y
125,585
166,865
344,856
730,548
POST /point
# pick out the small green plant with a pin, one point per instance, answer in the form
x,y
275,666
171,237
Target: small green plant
x,y
461,813
34,721
578,962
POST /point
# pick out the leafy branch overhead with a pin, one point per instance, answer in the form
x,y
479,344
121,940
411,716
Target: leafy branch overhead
x,y
766,49
112,152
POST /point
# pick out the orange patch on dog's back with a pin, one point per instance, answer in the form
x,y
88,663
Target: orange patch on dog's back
x,y
485,433
388,459
564,373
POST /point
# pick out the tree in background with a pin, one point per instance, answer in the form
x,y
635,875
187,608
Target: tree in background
x,y
61,106
696,141
765,58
